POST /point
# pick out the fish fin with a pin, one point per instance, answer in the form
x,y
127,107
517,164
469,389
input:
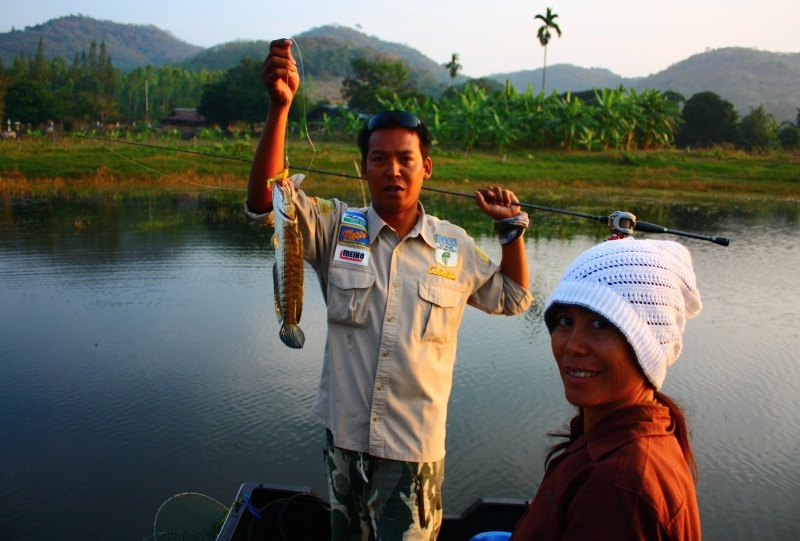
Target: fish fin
x,y
275,296
292,336
299,311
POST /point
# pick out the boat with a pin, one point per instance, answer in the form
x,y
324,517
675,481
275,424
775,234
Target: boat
x,y
270,511
296,513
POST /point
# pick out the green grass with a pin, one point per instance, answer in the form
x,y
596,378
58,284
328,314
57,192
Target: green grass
x,y
85,166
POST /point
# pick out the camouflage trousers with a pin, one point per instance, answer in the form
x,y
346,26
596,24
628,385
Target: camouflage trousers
x,y
377,499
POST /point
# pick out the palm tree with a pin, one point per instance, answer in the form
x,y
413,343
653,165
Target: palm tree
x,y
544,35
454,67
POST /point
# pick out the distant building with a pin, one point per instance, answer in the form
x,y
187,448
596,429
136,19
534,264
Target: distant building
x,y
180,117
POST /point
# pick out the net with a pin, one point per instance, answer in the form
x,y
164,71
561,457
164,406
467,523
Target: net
x,y
189,517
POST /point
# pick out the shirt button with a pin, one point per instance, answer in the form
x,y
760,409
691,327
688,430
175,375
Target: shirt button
x,y
380,387
394,284
376,419
391,318
385,353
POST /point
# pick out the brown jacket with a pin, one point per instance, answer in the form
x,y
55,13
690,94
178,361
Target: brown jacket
x,y
624,479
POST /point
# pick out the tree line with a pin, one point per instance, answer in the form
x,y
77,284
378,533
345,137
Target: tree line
x,y
480,114
89,91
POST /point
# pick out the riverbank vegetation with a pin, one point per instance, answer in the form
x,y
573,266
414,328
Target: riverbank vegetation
x,y
81,164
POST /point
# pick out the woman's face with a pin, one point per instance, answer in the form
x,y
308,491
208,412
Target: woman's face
x,y
597,366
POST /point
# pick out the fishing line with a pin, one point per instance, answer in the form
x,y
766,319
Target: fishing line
x,y
623,222
170,176
305,116
361,182
248,160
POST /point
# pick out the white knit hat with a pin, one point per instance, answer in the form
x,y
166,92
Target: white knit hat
x,y
645,288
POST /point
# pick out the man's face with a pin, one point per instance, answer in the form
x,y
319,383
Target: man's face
x,y
395,171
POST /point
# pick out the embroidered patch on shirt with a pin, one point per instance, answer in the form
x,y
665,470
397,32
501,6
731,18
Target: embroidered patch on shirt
x,y
444,273
446,251
356,218
348,254
353,236
325,206
353,243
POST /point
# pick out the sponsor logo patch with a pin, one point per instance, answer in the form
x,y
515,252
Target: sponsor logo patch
x,y
353,236
352,255
446,251
353,217
444,273
353,243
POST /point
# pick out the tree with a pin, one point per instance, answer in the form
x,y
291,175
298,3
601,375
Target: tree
x,y
789,136
19,68
30,102
38,68
707,120
453,67
373,82
5,82
544,35
757,130
675,97
486,83
239,95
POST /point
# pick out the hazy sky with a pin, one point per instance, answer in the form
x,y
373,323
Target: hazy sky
x,y
632,38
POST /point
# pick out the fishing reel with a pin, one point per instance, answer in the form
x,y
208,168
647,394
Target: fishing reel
x,y
621,224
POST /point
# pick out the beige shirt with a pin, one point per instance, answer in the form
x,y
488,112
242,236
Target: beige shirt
x,y
393,324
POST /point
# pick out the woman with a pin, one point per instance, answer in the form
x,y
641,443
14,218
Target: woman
x,y
626,470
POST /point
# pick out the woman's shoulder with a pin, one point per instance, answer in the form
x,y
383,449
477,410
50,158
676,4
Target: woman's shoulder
x,y
638,452
653,469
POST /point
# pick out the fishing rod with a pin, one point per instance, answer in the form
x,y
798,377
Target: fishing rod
x,y
619,222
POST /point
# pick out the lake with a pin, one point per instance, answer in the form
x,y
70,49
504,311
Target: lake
x,y
140,359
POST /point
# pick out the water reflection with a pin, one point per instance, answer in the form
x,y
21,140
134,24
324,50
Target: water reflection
x,y
140,359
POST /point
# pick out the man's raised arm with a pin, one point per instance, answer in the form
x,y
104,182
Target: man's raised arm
x,y
279,73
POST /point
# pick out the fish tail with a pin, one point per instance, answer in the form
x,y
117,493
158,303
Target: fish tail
x,y
292,336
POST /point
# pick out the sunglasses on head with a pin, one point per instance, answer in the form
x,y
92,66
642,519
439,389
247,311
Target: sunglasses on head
x,y
389,119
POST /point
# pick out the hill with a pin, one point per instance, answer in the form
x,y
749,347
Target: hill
x,y
411,57
561,78
745,77
128,45
326,53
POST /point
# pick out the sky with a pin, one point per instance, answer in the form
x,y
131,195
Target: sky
x,y
632,38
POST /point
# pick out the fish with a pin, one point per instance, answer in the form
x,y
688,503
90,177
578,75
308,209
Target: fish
x,y
287,273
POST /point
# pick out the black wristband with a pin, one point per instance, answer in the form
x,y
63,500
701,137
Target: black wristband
x,y
510,229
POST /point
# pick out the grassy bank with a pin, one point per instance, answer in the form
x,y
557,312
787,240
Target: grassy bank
x,y
78,165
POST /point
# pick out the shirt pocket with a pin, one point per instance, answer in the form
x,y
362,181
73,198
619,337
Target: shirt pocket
x,y
438,313
349,296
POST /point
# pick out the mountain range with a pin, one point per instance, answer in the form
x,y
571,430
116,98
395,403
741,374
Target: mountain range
x,y
745,77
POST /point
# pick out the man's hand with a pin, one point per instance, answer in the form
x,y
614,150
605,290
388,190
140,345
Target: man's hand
x,y
497,202
279,72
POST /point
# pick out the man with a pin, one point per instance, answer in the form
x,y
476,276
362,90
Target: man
x,y
396,282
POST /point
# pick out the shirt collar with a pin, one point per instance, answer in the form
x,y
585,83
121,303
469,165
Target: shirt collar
x,y
626,425
423,228
621,427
